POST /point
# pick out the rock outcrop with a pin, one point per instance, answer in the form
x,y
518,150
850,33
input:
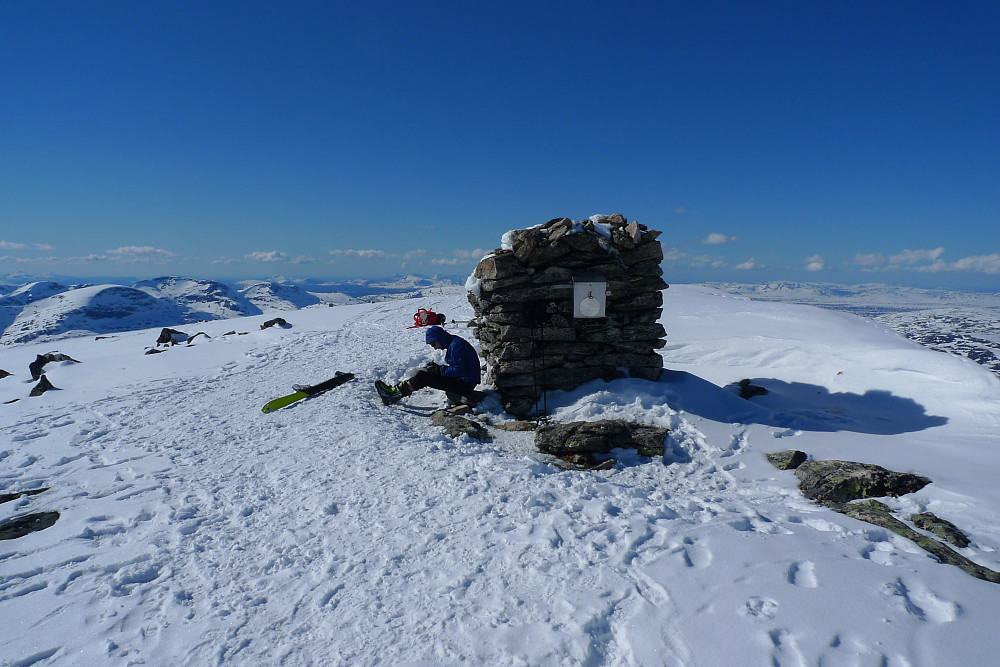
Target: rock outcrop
x,y
850,488
787,460
943,528
20,526
582,445
879,514
831,482
600,437
522,296
454,425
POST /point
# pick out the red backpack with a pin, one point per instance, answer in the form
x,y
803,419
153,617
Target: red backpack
x,y
426,317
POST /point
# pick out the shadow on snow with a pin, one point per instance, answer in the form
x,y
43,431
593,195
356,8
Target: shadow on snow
x,y
789,405
797,405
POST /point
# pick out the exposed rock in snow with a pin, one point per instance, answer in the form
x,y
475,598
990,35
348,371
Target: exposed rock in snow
x,y
790,459
600,437
454,425
844,481
941,527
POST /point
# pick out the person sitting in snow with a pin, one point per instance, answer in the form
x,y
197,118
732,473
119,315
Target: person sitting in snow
x,y
457,378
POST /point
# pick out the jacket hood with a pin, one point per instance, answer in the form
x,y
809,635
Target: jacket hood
x,y
438,335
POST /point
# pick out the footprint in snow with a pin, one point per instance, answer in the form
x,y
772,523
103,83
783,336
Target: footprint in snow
x,y
755,522
786,649
693,554
922,603
803,573
650,590
758,608
736,445
24,437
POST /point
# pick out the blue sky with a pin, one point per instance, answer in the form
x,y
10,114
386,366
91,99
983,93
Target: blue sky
x,y
844,142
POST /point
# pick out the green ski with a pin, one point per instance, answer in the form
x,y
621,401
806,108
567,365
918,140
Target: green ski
x,y
305,392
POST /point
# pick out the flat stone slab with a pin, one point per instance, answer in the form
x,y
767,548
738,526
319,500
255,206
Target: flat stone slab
x,y
454,426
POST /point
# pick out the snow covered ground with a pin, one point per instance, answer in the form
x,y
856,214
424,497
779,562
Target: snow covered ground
x,y
966,324
196,530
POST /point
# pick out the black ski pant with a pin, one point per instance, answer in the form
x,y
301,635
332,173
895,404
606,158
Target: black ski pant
x,y
444,383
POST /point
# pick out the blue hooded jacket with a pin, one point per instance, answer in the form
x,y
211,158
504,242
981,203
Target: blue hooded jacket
x,y
460,357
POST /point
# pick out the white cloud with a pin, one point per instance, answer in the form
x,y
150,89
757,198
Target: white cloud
x,y
748,265
461,257
132,253
929,261
359,254
978,264
268,256
716,239
815,263
707,261
937,266
909,257
32,260
869,259
476,254
10,245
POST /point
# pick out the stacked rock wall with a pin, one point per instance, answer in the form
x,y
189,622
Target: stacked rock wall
x,y
522,295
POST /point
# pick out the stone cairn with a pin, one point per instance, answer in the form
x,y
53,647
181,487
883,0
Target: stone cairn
x,y
522,297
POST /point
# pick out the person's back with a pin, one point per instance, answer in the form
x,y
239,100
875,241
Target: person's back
x,y
462,360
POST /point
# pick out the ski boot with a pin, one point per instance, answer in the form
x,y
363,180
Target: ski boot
x,y
389,393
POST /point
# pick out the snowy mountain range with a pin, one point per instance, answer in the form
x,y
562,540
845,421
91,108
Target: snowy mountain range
x,y
962,323
49,311
187,527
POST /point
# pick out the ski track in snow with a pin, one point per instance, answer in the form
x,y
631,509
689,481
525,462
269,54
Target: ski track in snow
x,y
198,531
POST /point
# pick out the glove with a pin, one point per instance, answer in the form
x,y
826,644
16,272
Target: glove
x,y
433,368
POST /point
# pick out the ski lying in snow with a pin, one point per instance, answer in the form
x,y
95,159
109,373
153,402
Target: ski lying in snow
x,y
305,392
